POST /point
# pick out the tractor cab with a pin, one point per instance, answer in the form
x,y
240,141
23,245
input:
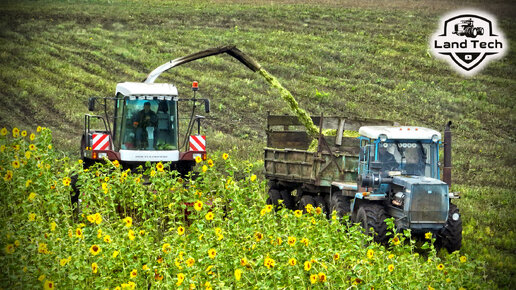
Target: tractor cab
x,y
391,151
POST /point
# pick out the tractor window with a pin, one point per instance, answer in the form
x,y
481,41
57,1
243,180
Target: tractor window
x,y
149,124
412,158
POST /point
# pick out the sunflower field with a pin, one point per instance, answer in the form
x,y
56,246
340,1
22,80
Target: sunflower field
x,y
155,229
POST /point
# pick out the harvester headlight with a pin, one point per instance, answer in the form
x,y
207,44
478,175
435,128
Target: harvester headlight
x,y
382,137
435,138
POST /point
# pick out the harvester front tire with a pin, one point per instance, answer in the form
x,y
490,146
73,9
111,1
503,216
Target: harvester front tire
x,y
373,216
450,237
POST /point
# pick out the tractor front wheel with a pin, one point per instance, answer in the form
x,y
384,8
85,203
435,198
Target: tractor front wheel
x,y
450,237
372,218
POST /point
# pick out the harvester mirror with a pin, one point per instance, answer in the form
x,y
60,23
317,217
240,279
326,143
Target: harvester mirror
x,y
207,106
91,104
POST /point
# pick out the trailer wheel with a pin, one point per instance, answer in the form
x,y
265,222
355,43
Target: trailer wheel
x,y
274,197
319,202
288,199
450,237
306,200
373,216
340,204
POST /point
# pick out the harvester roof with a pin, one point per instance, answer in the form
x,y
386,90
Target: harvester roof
x,y
146,89
399,132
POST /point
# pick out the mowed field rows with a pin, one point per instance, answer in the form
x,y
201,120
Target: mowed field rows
x,y
359,59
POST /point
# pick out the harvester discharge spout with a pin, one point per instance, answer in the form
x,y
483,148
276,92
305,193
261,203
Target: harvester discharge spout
x,y
231,50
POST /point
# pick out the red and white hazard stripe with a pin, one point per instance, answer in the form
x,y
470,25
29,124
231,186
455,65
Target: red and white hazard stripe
x,y
197,143
100,142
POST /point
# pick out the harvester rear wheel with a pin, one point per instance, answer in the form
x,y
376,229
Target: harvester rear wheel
x,y
373,216
450,237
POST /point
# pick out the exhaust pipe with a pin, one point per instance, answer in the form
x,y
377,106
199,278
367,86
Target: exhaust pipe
x,y
447,154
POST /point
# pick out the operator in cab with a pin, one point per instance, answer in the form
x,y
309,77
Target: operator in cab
x,y
141,121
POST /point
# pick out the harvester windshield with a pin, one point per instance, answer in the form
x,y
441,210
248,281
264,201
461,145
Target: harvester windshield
x,y
148,123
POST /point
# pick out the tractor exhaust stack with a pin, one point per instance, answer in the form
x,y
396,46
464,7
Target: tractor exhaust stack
x,y
447,154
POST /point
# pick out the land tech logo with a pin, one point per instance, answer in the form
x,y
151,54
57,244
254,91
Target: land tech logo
x,y
468,40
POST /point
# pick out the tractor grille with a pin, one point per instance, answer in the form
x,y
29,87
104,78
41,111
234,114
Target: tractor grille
x,y
429,204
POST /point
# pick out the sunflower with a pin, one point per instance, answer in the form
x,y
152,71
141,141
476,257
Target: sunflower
x,y
95,250
27,155
209,216
166,248
160,167
134,273
298,213
9,249
253,178
107,239
212,253
305,241
131,235
15,164
279,241
463,259
24,133
180,230
210,163
32,147
243,262
258,236
180,279
269,263
157,276
94,268
396,241
238,274
292,261
322,277
64,261
32,217
16,132
268,208
225,156
390,267
78,233
8,175
308,265
198,205
428,236
440,267
318,210
291,241
370,253
314,278
336,256
48,285
67,181
115,253
198,159
3,131
32,137
190,262
128,221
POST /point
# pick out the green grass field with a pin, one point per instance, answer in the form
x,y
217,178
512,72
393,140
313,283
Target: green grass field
x,y
363,59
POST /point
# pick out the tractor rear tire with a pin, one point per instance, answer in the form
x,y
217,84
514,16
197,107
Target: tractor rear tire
x,y
288,199
340,204
304,201
373,216
450,237
274,197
